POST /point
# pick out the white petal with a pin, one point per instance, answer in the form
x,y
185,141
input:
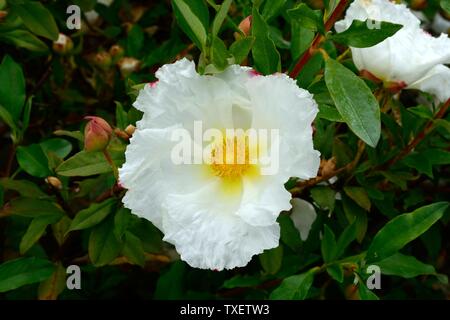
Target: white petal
x,y
436,81
208,234
263,199
303,215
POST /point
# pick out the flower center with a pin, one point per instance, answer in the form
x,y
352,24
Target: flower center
x,y
230,158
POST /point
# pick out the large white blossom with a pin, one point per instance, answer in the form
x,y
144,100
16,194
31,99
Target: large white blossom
x,y
411,56
217,217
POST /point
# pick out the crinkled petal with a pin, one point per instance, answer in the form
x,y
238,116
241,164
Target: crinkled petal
x,y
208,234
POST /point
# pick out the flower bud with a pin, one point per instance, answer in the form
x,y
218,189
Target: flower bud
x,y
3,15
103,60
130,129
418,4
246,26
63,45
128,65
54,182
97,134
116,52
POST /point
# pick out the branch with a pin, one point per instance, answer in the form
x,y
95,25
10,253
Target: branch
x,y
318,39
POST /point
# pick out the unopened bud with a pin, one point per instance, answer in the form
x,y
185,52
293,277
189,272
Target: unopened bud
x,y
63,45
128,65
97,134
54,182
246,26
3,15
130,130
103,60
418,4
116,52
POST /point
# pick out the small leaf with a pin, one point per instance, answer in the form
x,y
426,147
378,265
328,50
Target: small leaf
x,y
404,266
37,19
347,236
325,197
92,215
241,48
33,161
294,287
403,229
272,8
12,88
58,146
53,286
336,272
133,250
32,208
219,54
220,17
361,34
25,188
24,39
329,113
265,55
23,271
241,281
354,101
359,195
103,247
192,15
272,259
328,245
365,293
86,164
36,229
445,4
307,17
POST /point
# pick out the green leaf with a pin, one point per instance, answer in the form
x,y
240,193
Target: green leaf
x,y
265,55
289,234
36,229
404,266
73,134
103,246
241,48
135,40
8,119
347,236
12,88
32,208
325,197
192,15
329,113
24,39
58,146
121,116
133,250
37,19
53,286
219,54
33,160
354,101
445,4
294,287
170,283
23,271
85,164
421,111
272,8
359,195
336,272
420,162
355,214
438,156
220,17
307,17
328,245
361,34
301,39
272,259
241,281
403,229
92,215
365,293
25,188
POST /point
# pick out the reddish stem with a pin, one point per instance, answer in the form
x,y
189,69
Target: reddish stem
x,y
318,39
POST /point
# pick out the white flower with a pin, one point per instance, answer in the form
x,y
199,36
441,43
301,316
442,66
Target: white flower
x,y
92,15
411,56
217,216
303,215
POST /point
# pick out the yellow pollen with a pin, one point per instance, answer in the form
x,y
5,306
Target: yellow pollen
x,y
230,158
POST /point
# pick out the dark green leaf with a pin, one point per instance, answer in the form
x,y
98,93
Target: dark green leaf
x,y
294,287
93,215
328,245
23,271
361,34
403,229
354,101
265,55
104,247
12,88
271,260
192,15
36,229
241,48
220,17
33,160
307,17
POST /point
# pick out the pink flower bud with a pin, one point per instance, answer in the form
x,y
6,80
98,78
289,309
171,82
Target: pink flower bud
x,y
246,26
97,134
